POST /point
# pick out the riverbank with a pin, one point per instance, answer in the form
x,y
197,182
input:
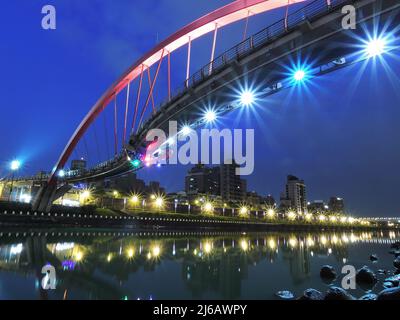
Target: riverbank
x,y
163,221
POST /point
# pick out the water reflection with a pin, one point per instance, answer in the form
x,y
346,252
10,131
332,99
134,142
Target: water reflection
x,y
109,265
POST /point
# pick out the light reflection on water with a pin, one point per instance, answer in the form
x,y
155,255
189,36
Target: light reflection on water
x,y
113,265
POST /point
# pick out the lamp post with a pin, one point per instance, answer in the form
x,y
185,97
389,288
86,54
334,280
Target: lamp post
x,y
15,165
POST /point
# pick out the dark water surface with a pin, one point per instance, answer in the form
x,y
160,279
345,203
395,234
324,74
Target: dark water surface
x,y
111,264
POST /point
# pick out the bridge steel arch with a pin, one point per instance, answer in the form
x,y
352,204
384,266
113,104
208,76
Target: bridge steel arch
x,y
302,37
223,16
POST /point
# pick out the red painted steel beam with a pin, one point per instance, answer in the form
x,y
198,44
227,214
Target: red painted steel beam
x,y
223,16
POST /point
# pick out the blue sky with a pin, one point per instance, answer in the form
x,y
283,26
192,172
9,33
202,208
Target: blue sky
x,y
340,136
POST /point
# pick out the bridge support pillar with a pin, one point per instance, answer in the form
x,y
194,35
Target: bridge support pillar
x,y
47,195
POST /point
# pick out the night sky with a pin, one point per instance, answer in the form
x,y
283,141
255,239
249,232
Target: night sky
x,y
340,134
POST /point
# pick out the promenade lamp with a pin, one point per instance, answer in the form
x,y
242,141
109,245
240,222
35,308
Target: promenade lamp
x,y
135,199
159,202
243,211
271,213
14,166
155,251
208,208
85,195
291,215
333,219
308,217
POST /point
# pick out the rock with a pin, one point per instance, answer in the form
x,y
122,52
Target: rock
x,y
336,293
396,263
395,245
312,294
369,296
389,294
327,272
381,271
373,257
388,284
366,276
395,280
285,294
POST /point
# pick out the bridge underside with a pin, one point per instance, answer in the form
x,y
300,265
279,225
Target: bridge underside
x,y
320,41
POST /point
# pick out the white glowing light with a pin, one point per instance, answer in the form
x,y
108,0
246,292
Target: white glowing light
x,y
16,249
247,98
15,165
299,75
26,198
375,47
186,130
210,116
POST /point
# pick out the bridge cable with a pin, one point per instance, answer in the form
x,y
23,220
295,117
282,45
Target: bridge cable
x,y
137,100
115,126
151,87
213,48
169,76
152,97
246,25
287,15
126,113
106,136
97,143
188,61
86,148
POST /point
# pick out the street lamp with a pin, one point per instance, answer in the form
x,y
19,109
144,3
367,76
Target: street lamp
x,y
14,166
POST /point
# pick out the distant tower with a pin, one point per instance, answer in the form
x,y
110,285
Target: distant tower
x,y
78,164
203,180
336,204
233,188
296,194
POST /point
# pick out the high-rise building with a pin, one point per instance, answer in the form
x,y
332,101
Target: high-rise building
x,y
233,188
317,206
126,183
336,204
218,181
154,187
254,199
203,180
269,201
78,164
295,194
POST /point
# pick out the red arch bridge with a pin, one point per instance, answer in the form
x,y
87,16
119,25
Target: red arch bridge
x,y
308,30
